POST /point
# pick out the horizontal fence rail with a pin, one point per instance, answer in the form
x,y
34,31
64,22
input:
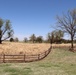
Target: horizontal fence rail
x,y
23,58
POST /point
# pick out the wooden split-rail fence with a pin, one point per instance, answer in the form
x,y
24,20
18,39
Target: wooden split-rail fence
x,y
23,58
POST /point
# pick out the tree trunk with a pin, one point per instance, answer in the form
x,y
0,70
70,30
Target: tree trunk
x,y
0,41
72,46
51,41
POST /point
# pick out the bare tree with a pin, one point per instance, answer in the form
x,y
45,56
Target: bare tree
x,y
67,23
56,36
5,30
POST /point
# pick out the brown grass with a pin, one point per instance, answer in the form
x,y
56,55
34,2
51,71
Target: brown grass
x,y
26,48
22,48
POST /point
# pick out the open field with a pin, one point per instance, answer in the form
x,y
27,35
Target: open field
x,y
58,62
26,48
22,48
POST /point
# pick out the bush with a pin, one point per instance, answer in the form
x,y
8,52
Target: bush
x,y
11,40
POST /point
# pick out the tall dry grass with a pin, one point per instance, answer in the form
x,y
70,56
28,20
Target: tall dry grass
x,y
22,48
26,48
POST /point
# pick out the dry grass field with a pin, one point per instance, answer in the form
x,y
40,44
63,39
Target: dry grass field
x,y
22,48
60,61
26,48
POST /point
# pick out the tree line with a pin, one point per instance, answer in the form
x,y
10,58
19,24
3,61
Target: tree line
x,y
32,39
55,37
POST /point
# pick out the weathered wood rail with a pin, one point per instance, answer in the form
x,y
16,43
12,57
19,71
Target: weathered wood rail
x,y
23,58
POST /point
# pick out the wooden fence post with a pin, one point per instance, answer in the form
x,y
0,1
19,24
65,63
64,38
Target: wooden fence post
x,y
24,57
38,56
45,53
4,58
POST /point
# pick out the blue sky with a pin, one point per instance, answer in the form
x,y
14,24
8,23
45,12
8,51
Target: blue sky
x,y
33,16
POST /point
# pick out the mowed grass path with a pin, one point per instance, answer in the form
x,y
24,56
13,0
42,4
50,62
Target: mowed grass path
x,y
58,62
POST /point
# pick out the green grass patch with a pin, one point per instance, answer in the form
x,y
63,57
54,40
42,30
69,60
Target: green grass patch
x,y
17,71
58,62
